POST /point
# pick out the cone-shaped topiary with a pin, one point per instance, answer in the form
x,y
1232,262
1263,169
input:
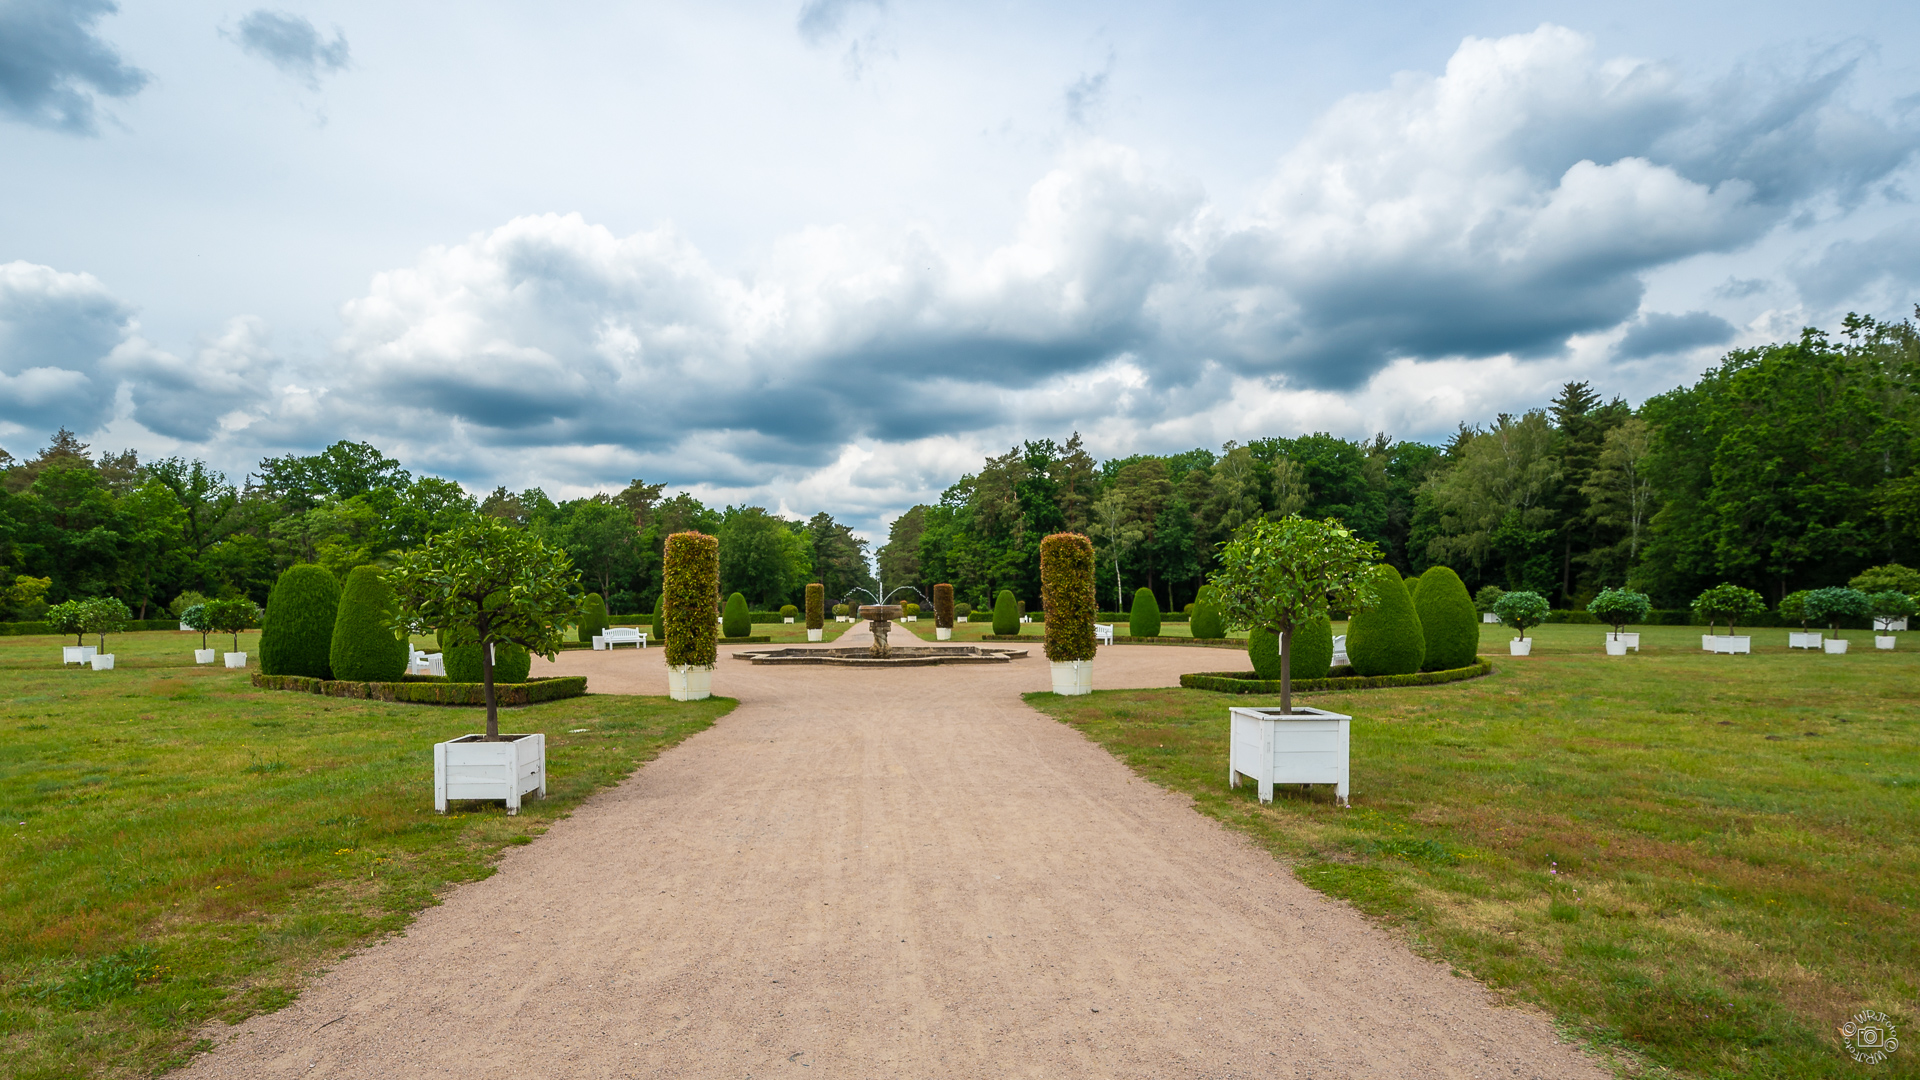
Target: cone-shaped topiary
x,y
1412,582
593,618
1386,639
1144,619
659,617
736,622
1312,650
943,605
691,569
1447,619
1206,621
1006,616
364,648
1066,592
298,633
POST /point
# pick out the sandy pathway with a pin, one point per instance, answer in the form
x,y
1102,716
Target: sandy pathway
x,y
901,873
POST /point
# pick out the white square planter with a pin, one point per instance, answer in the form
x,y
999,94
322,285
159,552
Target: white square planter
x,y
203,656
1629,641
1884,641
471,768
599,643
1489,617
786,620
1616,648
1520,647
1072,678
103,661
817,635
236,659
1308,746
1731,643
1886,624
961,618
1798,640
1835,646
943,633
690,682
76,654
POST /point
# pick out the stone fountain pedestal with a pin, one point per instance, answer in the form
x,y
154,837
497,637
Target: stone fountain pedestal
x,y
882,616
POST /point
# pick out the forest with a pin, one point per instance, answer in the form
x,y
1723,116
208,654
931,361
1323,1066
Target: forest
x,y
1784,467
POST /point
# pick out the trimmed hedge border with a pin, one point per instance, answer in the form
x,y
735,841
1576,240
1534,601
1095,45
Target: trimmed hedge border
x,y
430,691
1239,644
750,639
1239,682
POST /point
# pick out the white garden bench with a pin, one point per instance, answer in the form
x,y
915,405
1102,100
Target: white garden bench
x,y
426,663
1340,651
1103,633
620,635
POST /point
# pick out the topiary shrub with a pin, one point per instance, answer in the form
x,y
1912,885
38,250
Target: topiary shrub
x,y
910,610
364,648
1448,619
593,618
1066,594
1144,619
691,570
195,618
943,605
816,606
736,622
1006,614
842,610
1386,639
788,611
1891,577
105,615
511,663
1620,607
1793,606
1888,605
962,610
1488,596
1730,603
1206,622
1832,605
1312,650
298,635
67,618
1522,609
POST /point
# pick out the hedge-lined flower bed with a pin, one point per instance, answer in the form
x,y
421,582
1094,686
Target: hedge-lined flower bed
x,y
1247,682
430,691
1237,644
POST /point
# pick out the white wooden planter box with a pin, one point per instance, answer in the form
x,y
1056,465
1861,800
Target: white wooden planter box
x,y
103,661
1885,624
1835,646
817,635
1798,640
203,656
943,633
1884,641
1072,678
1489,617
1520,647
1627,641
1308,746
1730,643
471,768
690,682
76,654
236,659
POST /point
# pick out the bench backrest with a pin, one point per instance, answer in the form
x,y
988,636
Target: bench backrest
x,y
624,633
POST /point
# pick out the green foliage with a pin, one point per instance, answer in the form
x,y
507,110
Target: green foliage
x,y
1006,614
68,618
1207,623
1312,651
1144,619
434,691
962,610
231,617
763,556
298,635
1619,608
788,611
1385,638
1278,575
1891,604
910,609
1793,607
1728,603
692,586
943,605
1448,618
816,606
842,610
190,598
1250,682
1522,609
659,627
104,615
465,664
364,646
195,619
1890,576
1830,605
736,622
1488,596
593,618
1066,592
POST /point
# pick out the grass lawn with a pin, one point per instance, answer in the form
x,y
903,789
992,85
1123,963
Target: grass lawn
x,y
180,846
1707,863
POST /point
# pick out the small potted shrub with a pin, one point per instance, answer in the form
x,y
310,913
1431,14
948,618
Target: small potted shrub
x,y
1891,608
1484,600
1891,577
816,611
1833,604
231,617
962,610
1066,594
788,612
1732,603
909,612
178,606
101,616
1521,610
692,573
841,612
943,607
194,618
1793,606
70,618
1620,608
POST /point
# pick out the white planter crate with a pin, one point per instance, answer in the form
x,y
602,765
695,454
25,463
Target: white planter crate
x,y
817,635
1072,678
1884,641
236,659
1308,746
943,633
1489,617
103,661
690,682
1631,641
76,654
471,768
1616,648
1798,640
1730,643
786,620
1835,646
1520,647
1886,624
204,656
599,643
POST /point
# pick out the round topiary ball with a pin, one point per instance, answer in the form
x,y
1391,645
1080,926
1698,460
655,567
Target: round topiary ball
x,y
1144,619
1312,650
297,637
1448,619
364,647
1387,639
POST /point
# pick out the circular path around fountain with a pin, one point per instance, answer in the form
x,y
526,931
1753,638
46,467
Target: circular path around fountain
x,y
890,873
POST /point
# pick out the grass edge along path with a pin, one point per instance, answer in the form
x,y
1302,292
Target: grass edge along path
x,y
1700,869
180,846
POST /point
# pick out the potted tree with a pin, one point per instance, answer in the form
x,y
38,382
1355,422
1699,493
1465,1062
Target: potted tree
x,y
1794,606
943,612
194,618
231,617
70,618
816,611
841,612
1830,606
1732,603
500,586
1891,577
691,571
1484,600
1066,594
788,612
1618,608
1277,576
1521,609
101,616
1891,608
962,612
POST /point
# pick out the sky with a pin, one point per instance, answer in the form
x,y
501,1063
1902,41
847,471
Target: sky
x,y
829,255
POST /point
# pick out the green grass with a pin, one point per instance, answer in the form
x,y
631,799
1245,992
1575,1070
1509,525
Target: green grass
x,y
1705,863
177,846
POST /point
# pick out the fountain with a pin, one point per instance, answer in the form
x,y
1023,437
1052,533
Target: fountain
x,y
882,616
881,653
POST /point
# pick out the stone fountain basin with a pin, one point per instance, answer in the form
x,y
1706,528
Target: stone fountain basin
x,y
899,656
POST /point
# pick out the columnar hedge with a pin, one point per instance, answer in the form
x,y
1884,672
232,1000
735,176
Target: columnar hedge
x,y
1006,615
364,646
1312,650
298,636
1066,592
1386,639
943,605
691,568
736,622
593,618
1448,620
816,606
1144,619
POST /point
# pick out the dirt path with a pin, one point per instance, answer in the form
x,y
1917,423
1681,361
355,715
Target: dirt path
x,y
903,873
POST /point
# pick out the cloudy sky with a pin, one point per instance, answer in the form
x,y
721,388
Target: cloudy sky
x,y
828,254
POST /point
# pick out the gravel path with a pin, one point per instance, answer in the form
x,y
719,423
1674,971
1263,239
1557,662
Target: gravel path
x,y
904,873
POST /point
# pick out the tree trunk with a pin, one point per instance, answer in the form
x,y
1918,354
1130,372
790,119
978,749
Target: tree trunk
x,y
1286,673
486,676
